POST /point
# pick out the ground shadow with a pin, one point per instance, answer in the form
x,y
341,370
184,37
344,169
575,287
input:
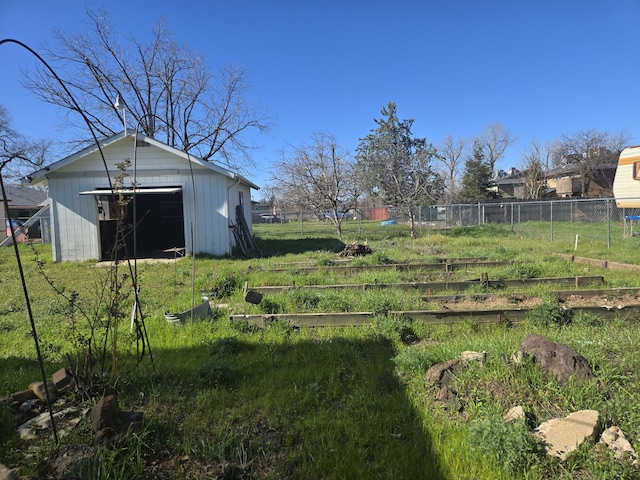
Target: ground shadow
x,y
329,408
283,408
275,247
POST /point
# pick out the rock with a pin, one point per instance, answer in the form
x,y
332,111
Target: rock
x,y
615,440
469,356
6,473
562,436
23,396
109,423
104,417
251,296
514,413
449,399
559,360
441,373
38,388
62,380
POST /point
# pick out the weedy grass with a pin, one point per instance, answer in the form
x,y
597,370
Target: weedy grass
x,y
352,402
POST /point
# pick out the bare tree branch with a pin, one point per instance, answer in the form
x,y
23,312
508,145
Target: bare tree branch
x,y
320,176
168,90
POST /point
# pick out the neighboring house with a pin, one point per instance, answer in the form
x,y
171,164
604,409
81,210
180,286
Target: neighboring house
x,y
561,182
566,181
181,202
23,203
509,187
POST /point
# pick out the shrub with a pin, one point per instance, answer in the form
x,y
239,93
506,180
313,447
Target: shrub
x,y
512,445
379,258
269,306
397,329
549,313
523,271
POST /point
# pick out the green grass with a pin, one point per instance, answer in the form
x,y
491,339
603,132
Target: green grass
x,y
330,403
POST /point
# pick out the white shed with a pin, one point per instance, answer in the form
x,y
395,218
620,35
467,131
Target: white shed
x,y
181,202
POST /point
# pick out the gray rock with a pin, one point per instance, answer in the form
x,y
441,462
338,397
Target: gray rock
x,y
562,436
559,360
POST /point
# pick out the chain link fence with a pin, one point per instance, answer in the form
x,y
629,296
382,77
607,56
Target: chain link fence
x,y
598,219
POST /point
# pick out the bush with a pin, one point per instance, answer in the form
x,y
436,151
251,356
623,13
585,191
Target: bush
x,y
269,306
512,445
549,313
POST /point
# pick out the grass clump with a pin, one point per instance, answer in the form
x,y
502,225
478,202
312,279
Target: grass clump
x,y
214,373
512,445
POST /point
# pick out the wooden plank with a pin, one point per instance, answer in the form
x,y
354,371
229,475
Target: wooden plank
x,y
560,294
439,286
497,316
350,269
339,319
600,263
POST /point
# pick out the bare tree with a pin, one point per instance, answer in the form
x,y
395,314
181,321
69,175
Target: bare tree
x,y
587,151
169,91
534,176
320,176
495,140
17,152
449,162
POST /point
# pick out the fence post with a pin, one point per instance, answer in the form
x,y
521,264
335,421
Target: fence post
x,y
512,217
301,225
608,224
551,218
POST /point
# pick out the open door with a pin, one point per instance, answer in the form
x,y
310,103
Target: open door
x,y
159,217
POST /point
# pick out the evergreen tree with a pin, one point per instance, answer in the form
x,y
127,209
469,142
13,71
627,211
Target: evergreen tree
x,y
477,176
396,167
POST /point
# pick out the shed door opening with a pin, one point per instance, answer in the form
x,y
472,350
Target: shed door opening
x,y
159,218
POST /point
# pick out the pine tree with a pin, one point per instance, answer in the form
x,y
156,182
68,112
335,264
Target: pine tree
x,y
477,176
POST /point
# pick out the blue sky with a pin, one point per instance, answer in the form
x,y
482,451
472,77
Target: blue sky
x,y
542,68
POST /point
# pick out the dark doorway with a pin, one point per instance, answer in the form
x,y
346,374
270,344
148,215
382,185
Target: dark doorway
x,y
159,219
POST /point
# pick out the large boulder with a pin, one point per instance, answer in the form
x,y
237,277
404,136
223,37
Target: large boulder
x,y
561,361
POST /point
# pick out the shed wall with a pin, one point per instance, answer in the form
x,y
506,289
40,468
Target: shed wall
x,y
208,199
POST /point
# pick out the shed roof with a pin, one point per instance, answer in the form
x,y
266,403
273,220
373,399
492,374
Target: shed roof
x,y
39,177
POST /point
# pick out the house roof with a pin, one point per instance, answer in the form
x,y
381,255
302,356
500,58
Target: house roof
x,y
40,176
574,169
21,196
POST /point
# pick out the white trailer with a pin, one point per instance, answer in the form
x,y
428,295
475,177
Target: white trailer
x,y
626,183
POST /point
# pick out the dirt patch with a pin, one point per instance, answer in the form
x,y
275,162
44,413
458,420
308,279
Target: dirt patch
x,y
513,301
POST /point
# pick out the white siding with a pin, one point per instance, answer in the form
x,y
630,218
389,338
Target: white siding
x,y
626,189
75,217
